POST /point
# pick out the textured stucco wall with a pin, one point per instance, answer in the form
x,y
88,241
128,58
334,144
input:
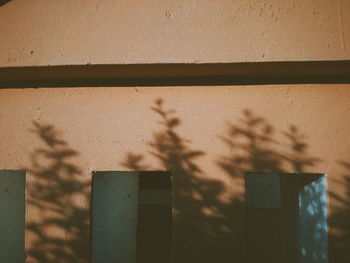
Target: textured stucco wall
x,y
52,32
213,136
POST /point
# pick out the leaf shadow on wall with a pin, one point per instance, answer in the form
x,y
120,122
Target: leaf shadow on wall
x,y
59,230
254,147
208,221
253,144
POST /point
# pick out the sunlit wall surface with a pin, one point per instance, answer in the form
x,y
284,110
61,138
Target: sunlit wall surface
x,y
208,137
44,32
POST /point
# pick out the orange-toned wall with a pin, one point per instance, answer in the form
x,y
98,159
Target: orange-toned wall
x,y
56,32
61,135
68,133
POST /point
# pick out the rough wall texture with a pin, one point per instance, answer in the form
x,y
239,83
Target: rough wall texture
x,y
51,32
209,137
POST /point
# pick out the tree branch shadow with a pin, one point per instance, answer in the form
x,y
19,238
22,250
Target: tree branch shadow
x,y
208,221
59,226
254,147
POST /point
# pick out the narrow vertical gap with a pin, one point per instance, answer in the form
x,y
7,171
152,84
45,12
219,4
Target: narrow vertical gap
x,y
154,217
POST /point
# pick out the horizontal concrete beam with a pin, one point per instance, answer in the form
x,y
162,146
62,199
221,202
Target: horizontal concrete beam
x,y
176,74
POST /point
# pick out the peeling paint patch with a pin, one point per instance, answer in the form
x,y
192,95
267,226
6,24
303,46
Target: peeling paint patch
x,y
266,53
168,14
98,5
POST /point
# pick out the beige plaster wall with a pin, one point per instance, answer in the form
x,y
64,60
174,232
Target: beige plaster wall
x,y
208,136
61,135
56,32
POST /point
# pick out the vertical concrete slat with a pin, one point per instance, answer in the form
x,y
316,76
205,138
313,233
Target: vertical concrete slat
x,y
296,232
313,227
12,216
265,229
263,190
114,217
